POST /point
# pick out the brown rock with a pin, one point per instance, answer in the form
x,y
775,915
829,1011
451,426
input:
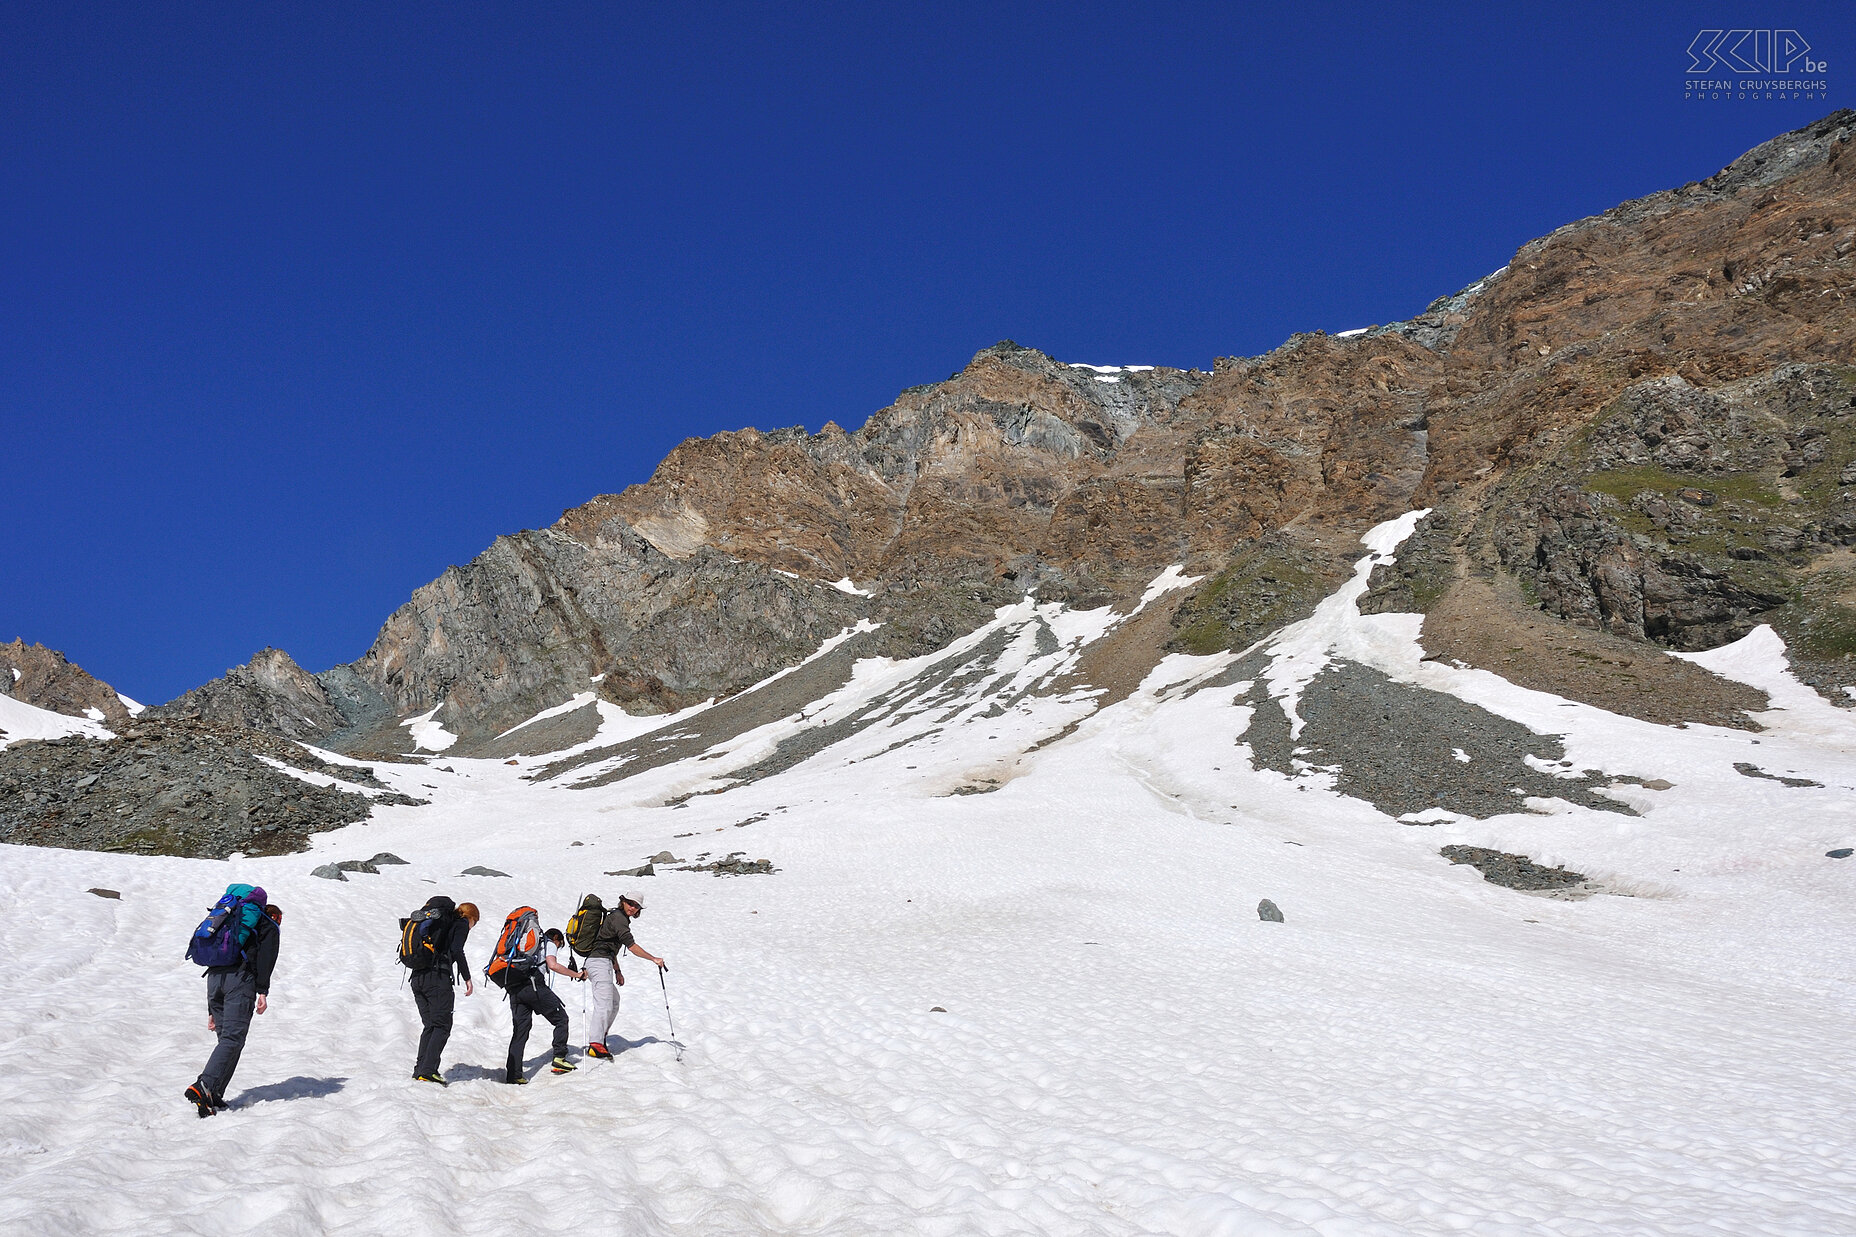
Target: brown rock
x,y
41,677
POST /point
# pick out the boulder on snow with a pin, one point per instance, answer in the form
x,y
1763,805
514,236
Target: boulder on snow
x,y
111,893
646,870
1268,912
663,856
330,872
481,871
358,865
386,856
1842,852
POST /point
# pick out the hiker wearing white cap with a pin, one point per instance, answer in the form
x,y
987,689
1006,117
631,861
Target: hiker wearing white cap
x,y
603,976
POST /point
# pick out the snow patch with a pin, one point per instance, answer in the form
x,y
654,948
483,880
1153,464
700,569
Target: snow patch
x,y
579,701
847,585
428,734
1172,578
1758,660
134,707
19,720
1303,650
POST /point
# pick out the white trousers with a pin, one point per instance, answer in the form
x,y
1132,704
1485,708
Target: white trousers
x,y
602,996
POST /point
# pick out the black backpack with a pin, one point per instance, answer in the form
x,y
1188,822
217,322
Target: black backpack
x,y
423,932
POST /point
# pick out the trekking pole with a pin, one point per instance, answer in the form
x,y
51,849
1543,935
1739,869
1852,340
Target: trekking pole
x,y
667,1018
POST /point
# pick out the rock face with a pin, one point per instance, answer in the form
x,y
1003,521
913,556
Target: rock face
x,y
43,678
1642,426
169,787
270,693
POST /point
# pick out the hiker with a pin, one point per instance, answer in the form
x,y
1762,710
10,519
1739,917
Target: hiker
x,y
237,944
433,979
602,968
531,993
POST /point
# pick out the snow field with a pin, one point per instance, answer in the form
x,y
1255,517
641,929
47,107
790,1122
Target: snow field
x,y
19,720
1126,1048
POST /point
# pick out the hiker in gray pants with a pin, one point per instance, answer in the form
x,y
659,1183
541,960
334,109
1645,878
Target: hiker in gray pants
x,y
233,995
603,976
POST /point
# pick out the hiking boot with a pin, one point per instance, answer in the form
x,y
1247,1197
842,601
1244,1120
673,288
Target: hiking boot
x,y
599,1051
437,1078
517,1080
563,1066
205,1101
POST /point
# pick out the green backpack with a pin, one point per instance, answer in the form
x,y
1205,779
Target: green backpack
x,y
583,925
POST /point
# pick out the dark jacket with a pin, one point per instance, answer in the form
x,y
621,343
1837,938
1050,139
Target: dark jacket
x,y
615,933
260,955
450,951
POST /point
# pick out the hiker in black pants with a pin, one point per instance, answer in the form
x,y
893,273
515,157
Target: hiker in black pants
x,y
432,990
234,994
529,994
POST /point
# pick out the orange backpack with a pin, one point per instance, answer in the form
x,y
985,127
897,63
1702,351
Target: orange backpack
x,y
519,949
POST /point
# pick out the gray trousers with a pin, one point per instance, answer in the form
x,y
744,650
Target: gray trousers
x,y
602,998
230,999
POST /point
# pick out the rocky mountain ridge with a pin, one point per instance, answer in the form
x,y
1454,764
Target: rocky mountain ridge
x,y
1637,436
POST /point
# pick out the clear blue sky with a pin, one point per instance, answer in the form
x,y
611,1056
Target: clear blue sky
x,y
300,303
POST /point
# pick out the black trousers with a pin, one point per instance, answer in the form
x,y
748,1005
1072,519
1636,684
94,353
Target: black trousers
x,y
431,990
526,999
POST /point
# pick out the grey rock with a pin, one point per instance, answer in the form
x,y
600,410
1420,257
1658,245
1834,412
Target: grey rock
x,y
736,866
1267,911
1748,769
1842,852
937,1010
358,865
269,693
646,870
663,856
330,872
1511,871
481,871
169,786
1392,744
111,893
387,857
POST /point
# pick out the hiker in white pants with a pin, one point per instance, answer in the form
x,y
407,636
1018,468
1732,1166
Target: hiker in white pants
x,y
603,976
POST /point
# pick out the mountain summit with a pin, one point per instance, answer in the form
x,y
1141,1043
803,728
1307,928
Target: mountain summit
x,y
1638,437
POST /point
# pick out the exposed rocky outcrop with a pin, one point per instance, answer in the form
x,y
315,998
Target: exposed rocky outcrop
x,y
1512,871
169,786
41,677
270,693
1649,426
